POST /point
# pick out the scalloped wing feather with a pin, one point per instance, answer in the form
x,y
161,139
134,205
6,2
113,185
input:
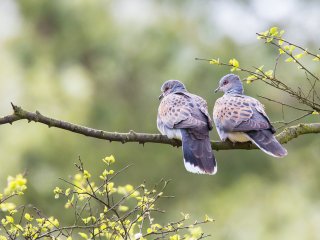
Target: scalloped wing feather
x,y
234,113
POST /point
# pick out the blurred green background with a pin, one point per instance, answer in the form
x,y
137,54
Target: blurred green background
x,y
101,64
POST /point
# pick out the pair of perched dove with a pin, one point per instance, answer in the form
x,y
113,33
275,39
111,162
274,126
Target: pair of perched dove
x,y
237,117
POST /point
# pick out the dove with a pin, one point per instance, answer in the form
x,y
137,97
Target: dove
x,y
241,118
184,116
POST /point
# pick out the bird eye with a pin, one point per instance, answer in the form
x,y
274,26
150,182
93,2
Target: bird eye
x,y
166,89
225,82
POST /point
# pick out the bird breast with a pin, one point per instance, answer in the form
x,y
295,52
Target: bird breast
x,y
169,132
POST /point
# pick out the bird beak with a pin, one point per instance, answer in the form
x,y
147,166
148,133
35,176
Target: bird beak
x,y
215,91
161,96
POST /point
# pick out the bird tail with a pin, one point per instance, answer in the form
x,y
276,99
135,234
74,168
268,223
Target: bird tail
x,y
266,141
197,154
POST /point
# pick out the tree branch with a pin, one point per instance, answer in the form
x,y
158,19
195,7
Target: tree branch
x,y
285,136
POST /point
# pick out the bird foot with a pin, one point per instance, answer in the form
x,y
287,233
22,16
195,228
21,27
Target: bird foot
x,y
230,142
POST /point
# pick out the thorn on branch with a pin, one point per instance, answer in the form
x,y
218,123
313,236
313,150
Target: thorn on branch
x,y
16,109
131,132
13,106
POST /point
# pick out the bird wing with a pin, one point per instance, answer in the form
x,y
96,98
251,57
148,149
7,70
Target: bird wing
x,y
239,113
203,107
173,109
178,110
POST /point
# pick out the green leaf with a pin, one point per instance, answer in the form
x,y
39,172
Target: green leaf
x,y
28,217
317,58
269,73
67,192
109,160
300,55
250,78
234,62
265,33
273,31
83,235
259,69
289,48
10,219
214,61
269,39
123,208
175,237
290,59
208,219
86,174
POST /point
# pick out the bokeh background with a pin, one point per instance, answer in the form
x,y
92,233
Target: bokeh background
x,y
101,64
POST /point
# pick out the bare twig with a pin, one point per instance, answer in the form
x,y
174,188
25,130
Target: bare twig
x,y
284,104
276,65
292,121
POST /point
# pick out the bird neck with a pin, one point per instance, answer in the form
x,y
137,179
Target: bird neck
x,y
237,90
179,90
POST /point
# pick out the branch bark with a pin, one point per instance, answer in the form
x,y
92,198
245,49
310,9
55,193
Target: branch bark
x,y
284,137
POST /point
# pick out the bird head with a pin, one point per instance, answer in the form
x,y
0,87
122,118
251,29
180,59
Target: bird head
x,y
171,86
230,83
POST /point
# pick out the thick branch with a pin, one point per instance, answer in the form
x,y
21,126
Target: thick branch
x,y
293,132
285,136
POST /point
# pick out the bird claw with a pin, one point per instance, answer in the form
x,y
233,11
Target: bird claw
x,y
230,142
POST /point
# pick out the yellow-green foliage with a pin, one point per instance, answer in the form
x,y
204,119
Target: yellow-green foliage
x,y
272,36
102,209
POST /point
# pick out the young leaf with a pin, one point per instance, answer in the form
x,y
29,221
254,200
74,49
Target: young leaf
x,y
274,31
300,55
234,62
214,61
317,58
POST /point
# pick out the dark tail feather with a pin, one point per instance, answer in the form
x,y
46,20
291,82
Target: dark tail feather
x,y
197,154
265,140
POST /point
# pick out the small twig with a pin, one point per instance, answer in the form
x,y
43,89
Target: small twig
x,y
292,121
295,60
284,104
275,65
289,43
